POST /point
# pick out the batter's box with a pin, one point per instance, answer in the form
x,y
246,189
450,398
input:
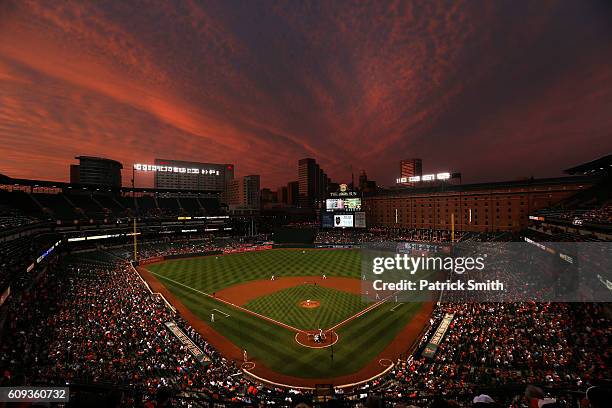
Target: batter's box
x,y
221,313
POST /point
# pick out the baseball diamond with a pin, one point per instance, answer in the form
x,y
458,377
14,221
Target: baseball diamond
x,y
299,328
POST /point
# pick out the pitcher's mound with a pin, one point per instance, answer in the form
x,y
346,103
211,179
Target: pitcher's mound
x,y
310,304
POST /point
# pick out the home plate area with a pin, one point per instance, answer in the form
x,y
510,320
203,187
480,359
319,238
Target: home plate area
x,y
316,338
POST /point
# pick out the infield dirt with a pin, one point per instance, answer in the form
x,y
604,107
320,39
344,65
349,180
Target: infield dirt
x,y
244,292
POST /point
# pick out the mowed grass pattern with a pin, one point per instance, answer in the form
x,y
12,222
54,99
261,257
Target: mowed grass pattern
x,y
360,341
284,306
212,273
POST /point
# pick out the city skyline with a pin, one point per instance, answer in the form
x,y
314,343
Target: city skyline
x,y
495,90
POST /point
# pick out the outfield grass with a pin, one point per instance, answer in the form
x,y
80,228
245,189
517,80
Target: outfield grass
x,y
211,273
360,341
283,306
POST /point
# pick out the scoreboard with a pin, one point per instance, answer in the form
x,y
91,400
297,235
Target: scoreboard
x,y
343,212
348,204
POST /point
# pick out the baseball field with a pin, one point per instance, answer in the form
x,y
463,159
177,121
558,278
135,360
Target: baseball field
x,y
275,304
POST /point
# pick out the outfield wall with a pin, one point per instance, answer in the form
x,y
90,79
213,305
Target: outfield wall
x,y
157,259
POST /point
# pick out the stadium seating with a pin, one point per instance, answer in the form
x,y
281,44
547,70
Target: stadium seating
x,y
12,221
21,201
111,205
57,206
190,206
17,254
210,205
94,302
147,206
492,349
591,206
97,207
169,205
86,206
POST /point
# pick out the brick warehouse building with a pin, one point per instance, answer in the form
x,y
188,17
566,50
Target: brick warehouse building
x,y
485,207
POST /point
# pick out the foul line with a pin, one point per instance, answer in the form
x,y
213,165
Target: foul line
x,y
286,326
168,304
220,312
395,307
364,311
276,322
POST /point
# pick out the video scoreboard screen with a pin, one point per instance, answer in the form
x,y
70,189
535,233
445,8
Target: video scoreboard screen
x,y
327,220
333,204
343,212
343,220
343,204
360,220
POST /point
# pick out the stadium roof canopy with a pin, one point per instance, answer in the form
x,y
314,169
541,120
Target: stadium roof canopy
x,y
6,180
601,165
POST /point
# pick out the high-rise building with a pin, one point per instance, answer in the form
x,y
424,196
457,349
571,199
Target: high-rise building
x,y
365,185
184,175
281,194
267,196
243,192
313,182
308,173
96,171
410,168
75,177
322,187
293,192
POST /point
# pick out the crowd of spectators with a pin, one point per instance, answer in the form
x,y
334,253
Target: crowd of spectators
x,y
386,234
167,247
383,234
494,344
98,323
579,216
601,215
91,320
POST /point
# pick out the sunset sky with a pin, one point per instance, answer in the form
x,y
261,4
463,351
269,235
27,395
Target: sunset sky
x,y
493,89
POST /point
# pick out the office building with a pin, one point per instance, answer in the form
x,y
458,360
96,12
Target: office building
x,y
243,193
185,175
293,193
485,207
313,183
410,168
96,171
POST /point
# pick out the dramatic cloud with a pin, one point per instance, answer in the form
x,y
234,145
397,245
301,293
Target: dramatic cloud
x,y
495,90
